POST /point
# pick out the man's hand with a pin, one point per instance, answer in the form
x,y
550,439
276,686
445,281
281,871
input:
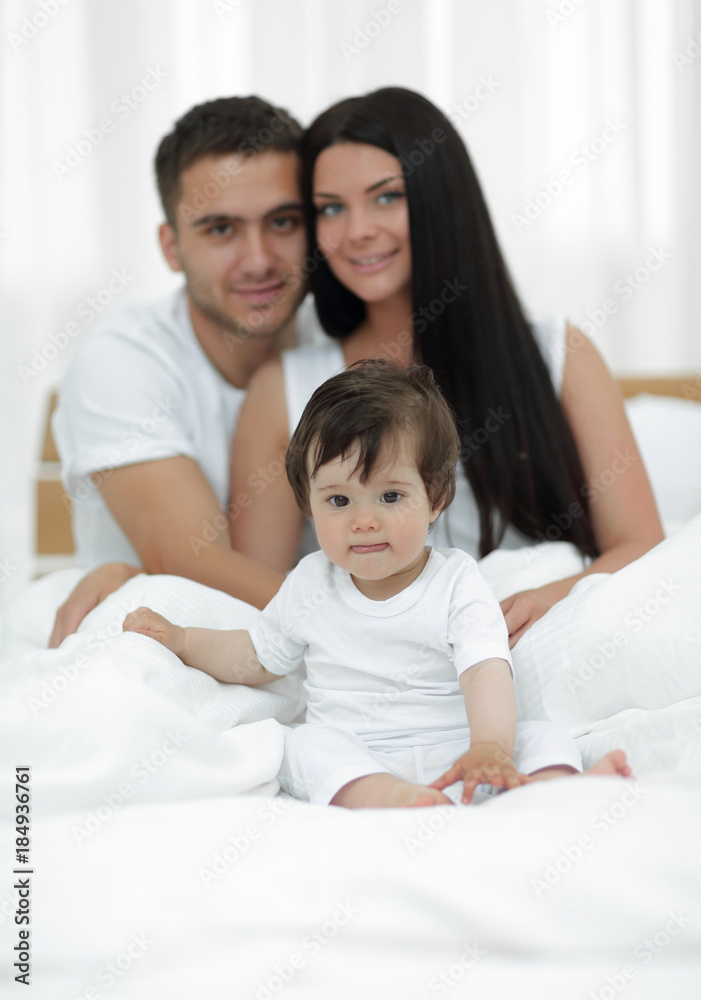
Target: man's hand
x,y
91,591
155,626
484,763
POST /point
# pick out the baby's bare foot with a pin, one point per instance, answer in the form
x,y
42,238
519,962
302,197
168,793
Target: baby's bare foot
x,y
614,762
405,794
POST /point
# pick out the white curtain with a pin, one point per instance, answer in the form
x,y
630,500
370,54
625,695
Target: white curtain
x,y
579,115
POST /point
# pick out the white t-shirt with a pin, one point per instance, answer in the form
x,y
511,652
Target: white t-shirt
x,y
384,668
458,526
141,388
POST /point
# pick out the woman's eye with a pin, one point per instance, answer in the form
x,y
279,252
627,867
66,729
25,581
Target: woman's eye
x,y
332,208
391,496
338,501
388,197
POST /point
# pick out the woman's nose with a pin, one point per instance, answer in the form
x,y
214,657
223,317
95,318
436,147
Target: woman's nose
x,y
361,226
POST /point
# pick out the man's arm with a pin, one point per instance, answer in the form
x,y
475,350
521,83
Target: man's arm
x,y
269,526
171,516
226,655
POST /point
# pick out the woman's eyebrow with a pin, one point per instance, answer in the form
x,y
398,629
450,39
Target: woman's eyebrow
x,y
368,190
374,187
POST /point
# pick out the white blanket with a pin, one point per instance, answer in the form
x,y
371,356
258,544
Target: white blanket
x,y
557,891
617,663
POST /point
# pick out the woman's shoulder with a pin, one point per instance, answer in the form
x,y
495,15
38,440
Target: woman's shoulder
x,y
304,369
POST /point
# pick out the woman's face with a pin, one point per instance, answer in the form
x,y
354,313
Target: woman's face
x,y
362,220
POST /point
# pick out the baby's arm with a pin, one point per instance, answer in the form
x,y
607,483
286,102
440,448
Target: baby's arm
x,y
491,715
225,655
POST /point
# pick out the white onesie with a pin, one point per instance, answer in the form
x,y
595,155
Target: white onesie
x,y
382,676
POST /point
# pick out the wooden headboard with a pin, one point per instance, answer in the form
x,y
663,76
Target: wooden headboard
x,y
55,546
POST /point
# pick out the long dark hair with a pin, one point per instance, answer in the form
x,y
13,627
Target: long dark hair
x,y
482,350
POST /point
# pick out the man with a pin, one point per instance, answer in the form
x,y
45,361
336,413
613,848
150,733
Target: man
x,y
150,401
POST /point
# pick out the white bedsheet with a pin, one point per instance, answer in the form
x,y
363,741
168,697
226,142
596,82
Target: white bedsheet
x,y
147,775
549,892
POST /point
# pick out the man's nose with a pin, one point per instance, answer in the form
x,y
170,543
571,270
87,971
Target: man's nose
x,y
256,257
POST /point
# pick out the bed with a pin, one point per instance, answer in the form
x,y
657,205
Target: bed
x,y
164,862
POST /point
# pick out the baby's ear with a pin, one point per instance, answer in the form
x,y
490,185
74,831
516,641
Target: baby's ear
x,y
435,511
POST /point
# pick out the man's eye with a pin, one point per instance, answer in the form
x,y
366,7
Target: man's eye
x,y
391,496
338,501
221,229
285,223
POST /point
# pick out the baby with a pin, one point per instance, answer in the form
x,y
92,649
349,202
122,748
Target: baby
x,y
409,679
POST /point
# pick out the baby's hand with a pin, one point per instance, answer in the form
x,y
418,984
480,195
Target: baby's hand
x,y
157,627
484,763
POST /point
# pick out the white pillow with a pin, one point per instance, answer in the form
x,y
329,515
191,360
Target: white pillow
x,y
668,434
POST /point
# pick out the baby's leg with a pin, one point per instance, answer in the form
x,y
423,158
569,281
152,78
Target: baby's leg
x,y
325,765
384,790
544,750
612,763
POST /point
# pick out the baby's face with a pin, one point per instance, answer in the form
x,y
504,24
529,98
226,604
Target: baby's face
x,y
374,530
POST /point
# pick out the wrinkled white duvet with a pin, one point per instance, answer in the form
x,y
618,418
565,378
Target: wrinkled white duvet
x,y
166,867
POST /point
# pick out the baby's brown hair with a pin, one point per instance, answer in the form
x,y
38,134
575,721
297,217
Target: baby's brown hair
x,y
367,405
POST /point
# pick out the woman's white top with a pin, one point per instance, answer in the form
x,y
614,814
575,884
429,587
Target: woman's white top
x,y
458,527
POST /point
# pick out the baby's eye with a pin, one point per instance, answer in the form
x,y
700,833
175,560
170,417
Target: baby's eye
x,y
338,501
391,496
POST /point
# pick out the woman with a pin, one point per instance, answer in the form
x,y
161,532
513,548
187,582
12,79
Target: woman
x,y
409,267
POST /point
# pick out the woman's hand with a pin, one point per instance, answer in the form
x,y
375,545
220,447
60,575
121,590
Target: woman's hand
x,y
484,763
91,591
155,626
523,610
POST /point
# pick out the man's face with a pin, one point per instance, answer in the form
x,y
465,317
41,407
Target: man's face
x,y
240,240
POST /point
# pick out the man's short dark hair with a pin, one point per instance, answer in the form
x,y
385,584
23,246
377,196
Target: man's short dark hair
x,y
367,406
245,125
